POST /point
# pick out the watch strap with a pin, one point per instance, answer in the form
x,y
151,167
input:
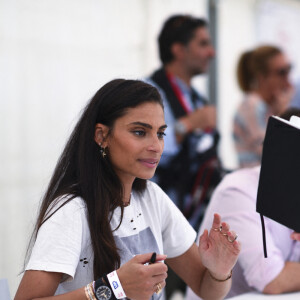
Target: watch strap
x,y
103,281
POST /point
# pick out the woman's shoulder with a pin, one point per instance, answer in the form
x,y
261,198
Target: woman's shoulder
x,y
67,204
151,194
154,195
154,189
152,185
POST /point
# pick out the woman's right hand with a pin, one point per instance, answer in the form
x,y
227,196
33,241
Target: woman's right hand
x,y
139,281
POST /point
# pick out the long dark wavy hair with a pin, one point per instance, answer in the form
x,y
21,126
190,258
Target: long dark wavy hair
x,y
81,171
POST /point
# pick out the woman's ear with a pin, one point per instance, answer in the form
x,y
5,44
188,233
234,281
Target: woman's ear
x,y
101,132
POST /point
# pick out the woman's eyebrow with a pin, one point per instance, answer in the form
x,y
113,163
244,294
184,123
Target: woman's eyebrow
x,y
148,125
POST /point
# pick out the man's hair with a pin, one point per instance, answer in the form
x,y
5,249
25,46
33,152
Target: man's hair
x,y
177,29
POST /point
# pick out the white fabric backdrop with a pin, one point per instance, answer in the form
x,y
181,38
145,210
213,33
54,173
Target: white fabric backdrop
x,y
55,54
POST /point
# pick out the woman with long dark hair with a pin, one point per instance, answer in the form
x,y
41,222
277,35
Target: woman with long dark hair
x,y
102,225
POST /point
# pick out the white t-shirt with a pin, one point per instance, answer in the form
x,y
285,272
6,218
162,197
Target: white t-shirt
x,y
151,223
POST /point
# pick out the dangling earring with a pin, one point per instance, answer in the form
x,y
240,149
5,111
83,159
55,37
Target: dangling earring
x,y
102,150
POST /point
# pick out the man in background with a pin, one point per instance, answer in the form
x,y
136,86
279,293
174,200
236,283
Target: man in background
x,y
189,168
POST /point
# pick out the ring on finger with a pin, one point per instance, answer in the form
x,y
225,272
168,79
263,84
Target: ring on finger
x,y
218,229
223,233
232,240
158,288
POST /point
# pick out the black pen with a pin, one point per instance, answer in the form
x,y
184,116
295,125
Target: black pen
x,y
153,258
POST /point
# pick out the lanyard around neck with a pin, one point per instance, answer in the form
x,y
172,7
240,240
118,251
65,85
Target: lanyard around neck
x,y
179,95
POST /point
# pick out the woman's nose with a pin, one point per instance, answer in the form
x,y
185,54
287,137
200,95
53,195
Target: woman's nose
x,y
156,144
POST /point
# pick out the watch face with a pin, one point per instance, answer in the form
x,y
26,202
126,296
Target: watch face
x,y
103,293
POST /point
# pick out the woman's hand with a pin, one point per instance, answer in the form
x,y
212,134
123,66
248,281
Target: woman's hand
x,y
140,281
219,249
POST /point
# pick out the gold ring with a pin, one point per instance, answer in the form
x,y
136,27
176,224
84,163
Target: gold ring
x,y
158,289
218,229
231,241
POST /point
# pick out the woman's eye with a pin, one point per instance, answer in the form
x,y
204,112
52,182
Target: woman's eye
x,y
161,135
139,132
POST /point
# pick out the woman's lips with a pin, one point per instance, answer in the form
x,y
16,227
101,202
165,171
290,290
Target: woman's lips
x,y
150,163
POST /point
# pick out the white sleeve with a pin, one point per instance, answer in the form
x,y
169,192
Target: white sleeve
x,y
58,244
178,234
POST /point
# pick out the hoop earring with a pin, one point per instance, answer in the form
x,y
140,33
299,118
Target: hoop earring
x,y
102,150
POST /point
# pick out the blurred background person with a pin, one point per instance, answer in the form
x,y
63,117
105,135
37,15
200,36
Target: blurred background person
x,y
235,200
263,76
295,102
189,168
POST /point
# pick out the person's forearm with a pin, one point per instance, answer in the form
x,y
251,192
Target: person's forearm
x,y
288,280
75,295
212,289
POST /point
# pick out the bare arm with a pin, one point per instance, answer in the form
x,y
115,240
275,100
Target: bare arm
x,y
188,266
288,280
42,285
216,254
